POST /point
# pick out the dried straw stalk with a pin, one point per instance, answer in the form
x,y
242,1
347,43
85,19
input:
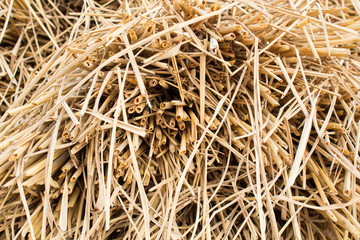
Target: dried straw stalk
x,y
179,120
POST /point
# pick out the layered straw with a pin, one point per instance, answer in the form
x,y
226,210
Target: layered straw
x,y
179,120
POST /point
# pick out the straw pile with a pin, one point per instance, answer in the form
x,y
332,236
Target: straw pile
x,y
180,120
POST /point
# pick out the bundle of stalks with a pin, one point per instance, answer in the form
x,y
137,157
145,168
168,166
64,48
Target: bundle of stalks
x,y
30,32
185,120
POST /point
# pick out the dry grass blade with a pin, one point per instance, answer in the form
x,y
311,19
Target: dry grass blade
x,y
179,119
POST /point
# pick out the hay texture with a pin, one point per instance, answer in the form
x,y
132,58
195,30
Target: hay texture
x,y
179,119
